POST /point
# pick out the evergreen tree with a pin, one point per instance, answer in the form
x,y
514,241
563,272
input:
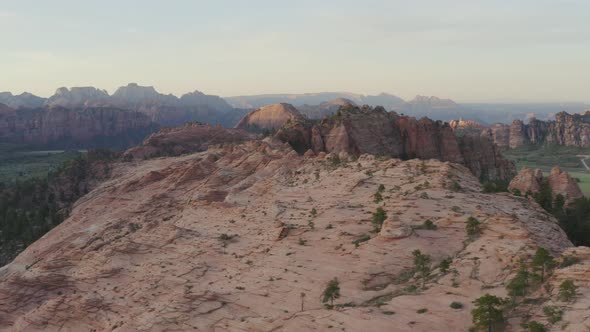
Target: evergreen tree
x,y
487,312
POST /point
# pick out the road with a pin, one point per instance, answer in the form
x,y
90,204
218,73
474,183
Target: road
x,y
584,158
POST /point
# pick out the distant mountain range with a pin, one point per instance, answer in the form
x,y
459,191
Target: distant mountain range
x,y
433,107
82,109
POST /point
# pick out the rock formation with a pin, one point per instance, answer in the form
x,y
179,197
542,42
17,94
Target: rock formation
x,y
559,181
271,117
191,137
375,131
567,129
78,97
246,237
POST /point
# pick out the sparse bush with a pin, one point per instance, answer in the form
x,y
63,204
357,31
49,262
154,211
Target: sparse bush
x,y
455,186
379,217
424,195
534,326
567,290
331,292
569,261
381,188
553,314
422,311
473,227
377,197
363,238
421,265
313,212
428,224
445,264
456,305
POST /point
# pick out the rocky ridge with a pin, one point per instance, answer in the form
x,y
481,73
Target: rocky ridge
x,y
189,138
228,239
375,131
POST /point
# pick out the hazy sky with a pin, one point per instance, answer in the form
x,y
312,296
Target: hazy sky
x,y
497,50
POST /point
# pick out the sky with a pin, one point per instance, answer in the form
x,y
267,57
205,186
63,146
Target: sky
x,y
466,50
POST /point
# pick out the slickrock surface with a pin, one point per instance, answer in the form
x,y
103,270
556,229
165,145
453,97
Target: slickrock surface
x,y
560,182
192,137
230,239
269,117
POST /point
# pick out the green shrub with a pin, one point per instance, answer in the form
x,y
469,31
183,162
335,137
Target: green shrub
x,y
553,314
473,227
456,305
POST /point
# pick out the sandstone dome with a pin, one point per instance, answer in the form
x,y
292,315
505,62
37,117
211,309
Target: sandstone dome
x,y
269,117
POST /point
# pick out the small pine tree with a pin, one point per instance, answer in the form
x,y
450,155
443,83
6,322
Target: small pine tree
x,y
421,265
331,292
487,312
542,262
567,290
519,285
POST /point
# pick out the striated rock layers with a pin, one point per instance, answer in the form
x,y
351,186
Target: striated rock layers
x,y
559,181
271,117
567,129
246,237
95,126
375,131
191,137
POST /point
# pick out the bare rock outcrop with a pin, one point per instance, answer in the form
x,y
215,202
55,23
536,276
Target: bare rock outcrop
x,y
559,181
271,117
562,183
191,137
375,131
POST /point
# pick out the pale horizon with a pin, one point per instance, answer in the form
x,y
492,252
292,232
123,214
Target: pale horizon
x,y
470,52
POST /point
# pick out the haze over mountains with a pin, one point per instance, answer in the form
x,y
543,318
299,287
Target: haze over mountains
x,y
147,99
